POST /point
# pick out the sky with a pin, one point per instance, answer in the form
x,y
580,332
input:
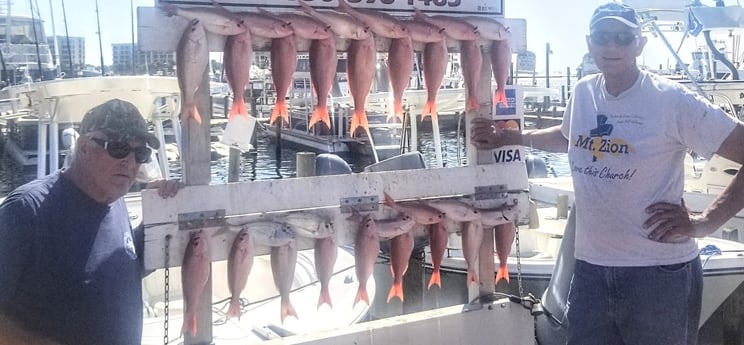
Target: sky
x,y
548,21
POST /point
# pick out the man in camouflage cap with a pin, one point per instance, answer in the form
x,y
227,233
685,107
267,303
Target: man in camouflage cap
x,y
70,263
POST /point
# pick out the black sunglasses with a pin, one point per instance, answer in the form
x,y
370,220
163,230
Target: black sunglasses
x,y
119,150
603,38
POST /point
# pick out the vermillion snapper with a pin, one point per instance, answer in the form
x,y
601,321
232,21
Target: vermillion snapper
x,y
215,19
380,23
192,57
195,273
239,265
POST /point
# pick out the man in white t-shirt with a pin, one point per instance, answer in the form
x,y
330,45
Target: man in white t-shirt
x,y
638,278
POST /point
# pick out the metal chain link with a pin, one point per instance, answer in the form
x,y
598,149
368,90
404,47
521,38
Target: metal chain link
x,y
519,260
167,288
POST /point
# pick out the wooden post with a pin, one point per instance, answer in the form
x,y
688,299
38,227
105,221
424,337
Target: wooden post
x,y
197,171
233,165
305,164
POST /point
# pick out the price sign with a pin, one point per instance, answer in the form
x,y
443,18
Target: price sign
x,y
469,7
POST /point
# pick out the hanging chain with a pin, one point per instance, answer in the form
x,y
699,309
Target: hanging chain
x,y
519,260
167,288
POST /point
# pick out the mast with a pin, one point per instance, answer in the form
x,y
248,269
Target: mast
x,y
55,52
100,43
131,9
36,40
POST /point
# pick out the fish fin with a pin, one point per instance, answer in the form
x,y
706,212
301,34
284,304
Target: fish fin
x,y
280,110
238,108
359,119
430,108
288,310
320,114
234,310
500,97
170,10
398,110
472,278
472,104
361,295
389,201
395,291
503,273
343,6
435,279
191,112
189,324
325,297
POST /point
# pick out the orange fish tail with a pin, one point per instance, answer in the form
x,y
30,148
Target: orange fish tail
x,y
325,297
472,104
288,310
389,201
430,108
500,97
234,310
503,273
473,278
361,295
189,324
395,291
280,110
238,108
359,119
435,279
320,114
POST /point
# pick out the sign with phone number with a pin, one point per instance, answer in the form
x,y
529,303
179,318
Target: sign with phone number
x,y
470,7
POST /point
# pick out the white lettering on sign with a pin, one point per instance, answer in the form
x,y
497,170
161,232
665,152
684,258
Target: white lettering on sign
x,y
469,7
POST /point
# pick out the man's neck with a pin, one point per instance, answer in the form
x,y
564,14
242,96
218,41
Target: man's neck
x,y
617,84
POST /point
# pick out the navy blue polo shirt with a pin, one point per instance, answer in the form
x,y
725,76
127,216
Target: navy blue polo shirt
x,y
69,268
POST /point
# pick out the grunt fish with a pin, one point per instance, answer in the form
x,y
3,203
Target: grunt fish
x,y
283,64
343,25
366,249
424,32
265,24
326,252
501,55
438,245
323,60
271,234
472,59
216,19
401,247
454,27
421,212
237,58
310,225
504,238
389,228
239,265
380,23
194,276
360,69
192,57
435,66
456,210
472,236
283,262
305,26
400,66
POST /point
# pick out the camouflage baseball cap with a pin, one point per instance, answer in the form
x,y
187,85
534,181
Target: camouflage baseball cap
x,y
120,120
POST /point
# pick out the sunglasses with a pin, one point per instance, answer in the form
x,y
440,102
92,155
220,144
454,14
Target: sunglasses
x,y
119,150
603,38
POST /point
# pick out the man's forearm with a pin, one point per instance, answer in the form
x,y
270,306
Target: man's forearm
x,y
726,204
547,139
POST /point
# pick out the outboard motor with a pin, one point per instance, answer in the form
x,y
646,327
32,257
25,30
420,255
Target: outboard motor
x,y
69,137
550,327
536,167
330,164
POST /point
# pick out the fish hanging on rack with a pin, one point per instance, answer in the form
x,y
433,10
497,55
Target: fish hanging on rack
x,y
323,62
472,60
435,66
501,55
194,275
237,58
380,23
304,26
453,27
366,249
283,64
216,19
360,72
504,237
343,25
472,236
400,67
239,265
401,247
283,263
265,24
438,244
192,58
326,253
420,211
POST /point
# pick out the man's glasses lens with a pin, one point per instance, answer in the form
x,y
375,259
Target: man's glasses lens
x,y
603,38
119,150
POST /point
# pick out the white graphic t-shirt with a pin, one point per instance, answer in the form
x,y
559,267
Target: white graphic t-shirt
x,y
626,153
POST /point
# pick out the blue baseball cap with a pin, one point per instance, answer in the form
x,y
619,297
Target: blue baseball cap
x,y
620,12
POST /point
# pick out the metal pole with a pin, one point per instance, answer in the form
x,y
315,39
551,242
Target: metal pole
x,y
67,36
36,40
56,42
547,65
100,43
131,8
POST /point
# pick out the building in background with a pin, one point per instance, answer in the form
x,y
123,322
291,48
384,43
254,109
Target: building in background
x,y
144,62
71,58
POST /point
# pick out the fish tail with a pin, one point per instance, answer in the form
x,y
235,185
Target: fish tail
x,y
472,277
238,108
397,110
320,114
325,297
189,324
395,291
472,104
280,110
500,97
359,119
435,279
430,108
191,111
288,310
503,273
234,310
361,295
